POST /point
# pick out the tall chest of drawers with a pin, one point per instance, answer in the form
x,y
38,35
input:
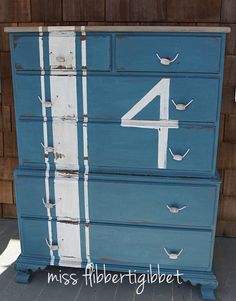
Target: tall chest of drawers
x,y
117,131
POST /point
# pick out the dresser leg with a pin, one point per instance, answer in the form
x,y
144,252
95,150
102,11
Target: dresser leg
x,y
23,276
207,292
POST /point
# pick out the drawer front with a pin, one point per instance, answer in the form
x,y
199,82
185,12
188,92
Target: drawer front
x,y
63,200
185,53
119,200
63,142
110,98
138,246
60,52
62,96
152,203
113,147
67,237
137,149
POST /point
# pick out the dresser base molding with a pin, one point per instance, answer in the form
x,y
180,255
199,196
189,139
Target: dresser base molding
x,y
26,265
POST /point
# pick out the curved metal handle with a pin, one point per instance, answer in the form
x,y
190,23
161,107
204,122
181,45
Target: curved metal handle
x,y
60,59
48,149
181,106
173,256
48,205
46,103
166,61
52,247
178,157
174,209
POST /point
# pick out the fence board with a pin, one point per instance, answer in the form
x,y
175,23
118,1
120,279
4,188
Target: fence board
x,y
230,70
6,192
9,211
193,11
15,11
228,11
230,128
7,167
83,10
229,188
46,10
10,145
228,102
136,10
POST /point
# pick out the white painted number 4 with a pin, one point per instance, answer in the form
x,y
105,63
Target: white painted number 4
x,y
162,126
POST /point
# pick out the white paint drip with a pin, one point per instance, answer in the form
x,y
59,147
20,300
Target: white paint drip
x,y
162,125
45,142
85,139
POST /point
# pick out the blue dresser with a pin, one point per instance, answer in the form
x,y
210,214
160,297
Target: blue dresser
x,y
117,131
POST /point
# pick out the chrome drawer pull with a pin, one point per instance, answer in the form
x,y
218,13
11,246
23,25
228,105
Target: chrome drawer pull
x,y
175,209
52,247
46,103
48,149
181,106
173,256
60,59
166,61
48,205
178,157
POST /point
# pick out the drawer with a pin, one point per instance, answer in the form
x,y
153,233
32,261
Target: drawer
x,y
120,199
140,246
63,200
168,53
113,148
35,233
63,142
60,52
110,98
143,150
152,203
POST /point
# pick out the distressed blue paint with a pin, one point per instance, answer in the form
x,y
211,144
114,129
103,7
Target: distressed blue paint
x,y
34,232
113,200
98,52
139,246
134,148
146,203
196,54
111,97
129,222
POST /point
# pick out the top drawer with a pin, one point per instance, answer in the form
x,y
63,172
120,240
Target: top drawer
x,y
60,52
168,53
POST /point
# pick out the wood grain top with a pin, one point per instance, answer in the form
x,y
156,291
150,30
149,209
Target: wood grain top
x,y
200,29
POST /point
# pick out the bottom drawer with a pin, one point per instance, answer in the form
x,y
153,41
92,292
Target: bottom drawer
x,y
142,246
64,248
129,246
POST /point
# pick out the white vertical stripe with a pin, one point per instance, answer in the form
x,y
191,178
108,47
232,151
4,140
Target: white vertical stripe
x,y
45,142
64,95
67,198
85,139
62,56
64,102
68,236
